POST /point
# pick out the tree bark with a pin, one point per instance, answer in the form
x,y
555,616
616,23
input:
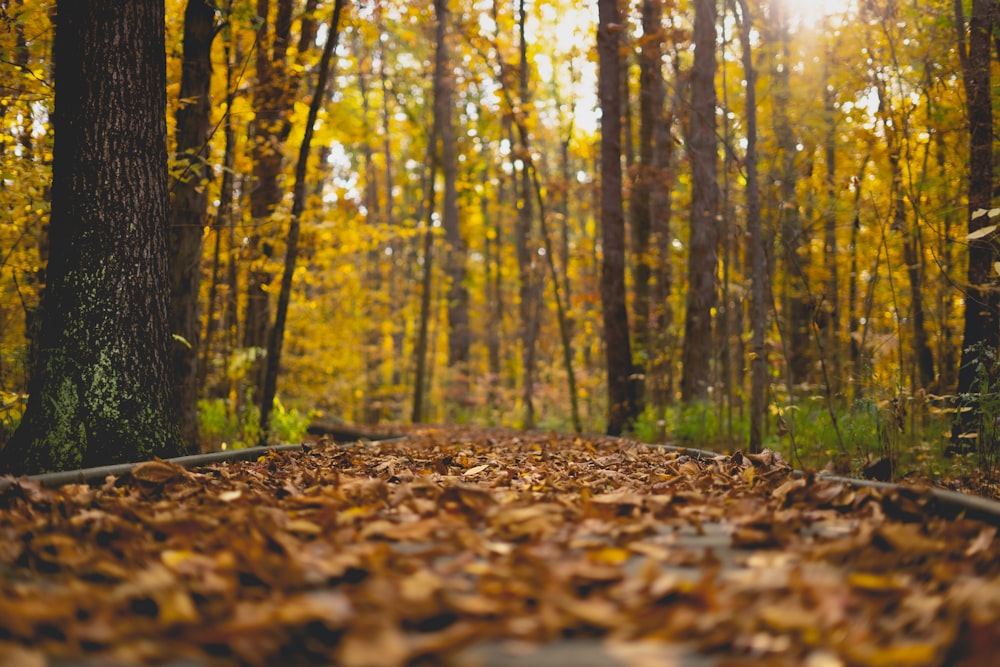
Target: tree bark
x,y
831,251
660,352
618,353
651,110
188,212
420,348
981,334
529,278
703,253
372,404
101,391
755,233
493,287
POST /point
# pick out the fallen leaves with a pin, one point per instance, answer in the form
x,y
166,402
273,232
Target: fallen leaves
x,y
158,472
452,541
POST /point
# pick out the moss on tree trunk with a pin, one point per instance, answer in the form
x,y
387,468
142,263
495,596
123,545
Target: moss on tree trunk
x,y
100,387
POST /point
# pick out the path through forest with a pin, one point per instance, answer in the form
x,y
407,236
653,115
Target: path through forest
x,y
492,547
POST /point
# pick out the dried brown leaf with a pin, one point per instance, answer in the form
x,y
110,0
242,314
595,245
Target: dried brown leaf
x,y
158,472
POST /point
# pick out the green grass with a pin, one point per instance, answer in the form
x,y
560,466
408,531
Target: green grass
x,y
223,427
808,438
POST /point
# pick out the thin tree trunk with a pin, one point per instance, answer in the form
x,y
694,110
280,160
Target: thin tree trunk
x,y
372,274
272,110
397,287
529,285
726,310
558,291
854,332
223,216
565,178
661,343
703,254
913,258
493,287
277,336
560,287
755,233
420,350
830,248
231,314
189,207
621,397
651,115
947,355
896,128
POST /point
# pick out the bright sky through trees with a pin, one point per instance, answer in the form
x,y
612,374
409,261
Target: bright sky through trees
x,y
812,12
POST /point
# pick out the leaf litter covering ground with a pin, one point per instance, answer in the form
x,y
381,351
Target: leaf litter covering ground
x,y
410,552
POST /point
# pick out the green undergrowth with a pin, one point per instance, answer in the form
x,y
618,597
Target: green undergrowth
x,y
226,426
887,439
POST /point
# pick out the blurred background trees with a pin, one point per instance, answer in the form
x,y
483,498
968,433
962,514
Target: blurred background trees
x,y
452,238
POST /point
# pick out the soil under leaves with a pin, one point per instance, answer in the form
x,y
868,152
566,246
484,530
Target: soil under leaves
x,y
425,550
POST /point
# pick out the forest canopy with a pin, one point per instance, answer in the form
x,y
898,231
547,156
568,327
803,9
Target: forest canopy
x,y
452,230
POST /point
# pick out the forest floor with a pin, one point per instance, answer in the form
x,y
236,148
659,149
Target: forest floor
x,y
492,547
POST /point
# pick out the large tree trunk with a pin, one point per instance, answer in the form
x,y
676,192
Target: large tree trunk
x,y
981,334
101,390
621,397
703,253
189,204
